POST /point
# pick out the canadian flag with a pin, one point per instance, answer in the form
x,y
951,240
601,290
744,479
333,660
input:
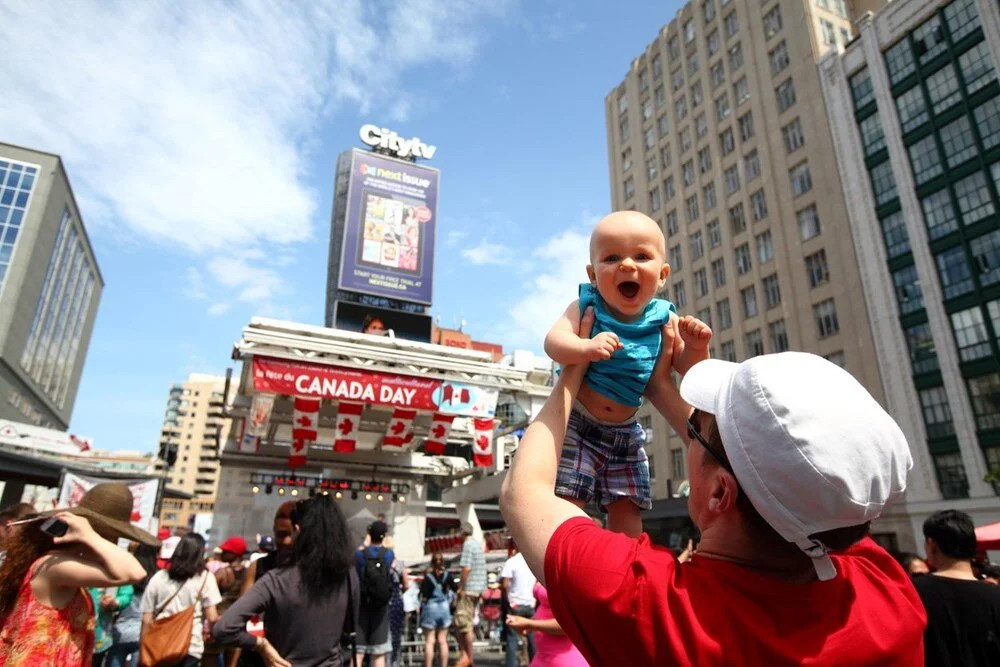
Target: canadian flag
x,y
399,433
437,436
482,442
345,439
305,421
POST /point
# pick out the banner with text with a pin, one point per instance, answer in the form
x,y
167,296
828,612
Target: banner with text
x,y
277,376
143,496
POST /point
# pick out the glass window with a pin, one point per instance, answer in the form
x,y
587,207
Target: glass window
x,y
908,293
732,178
674,47
785,94
911,108
697,246
675,258
701,126
622,103
660,95
748,296
741,90
970,334
772,22
687,172
883,183
686,140
626,159
717,74
654,199
696,94
962,18
691,206
899,61
17,181
705,315
942,89
714,234
680,108
700,283
951,475
817,271
792,136
988,121
689,31
800,179
923,355
897,242
937,412
719,272
872,136
973,198
680,297
825,314
808,219
649,139
713,43
976,67
737,219
651,168
647,110
751,168
985,252
727,142
758,202
754,343
746,126
983,392
778,57
629,187
657,66
692,64
708,9
623,127
725,315
705,159
928,39
672,222
677,80
958,141
732,24
665,158
939,214
743,262
677,463
735,57
862,89
925,160
722,107
779,336
643,81
669,191
993,308
829,32
772,291
663,125
954,272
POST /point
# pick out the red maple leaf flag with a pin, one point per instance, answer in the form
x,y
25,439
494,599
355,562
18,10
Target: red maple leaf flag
x,y
482,442
348,424
400,429
304,421
437,435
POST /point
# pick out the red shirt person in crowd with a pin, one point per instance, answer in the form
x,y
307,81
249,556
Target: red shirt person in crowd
x,y
789,460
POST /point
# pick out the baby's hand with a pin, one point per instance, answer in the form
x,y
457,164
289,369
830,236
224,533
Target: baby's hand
x,y
602,346
692,346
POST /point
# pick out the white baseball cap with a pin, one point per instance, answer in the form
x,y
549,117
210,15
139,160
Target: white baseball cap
x,y
810,447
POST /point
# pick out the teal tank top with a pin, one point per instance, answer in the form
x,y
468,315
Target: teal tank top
x,y
624,376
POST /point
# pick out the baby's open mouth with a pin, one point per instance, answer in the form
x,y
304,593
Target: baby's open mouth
x,y
628,289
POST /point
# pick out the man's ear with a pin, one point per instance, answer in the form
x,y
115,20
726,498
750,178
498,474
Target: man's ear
x,y
591,273
724,493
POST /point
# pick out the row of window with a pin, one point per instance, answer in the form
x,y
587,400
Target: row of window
x,y
928,41
17,180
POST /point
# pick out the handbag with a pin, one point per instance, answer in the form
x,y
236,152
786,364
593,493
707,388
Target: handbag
x,y
166,641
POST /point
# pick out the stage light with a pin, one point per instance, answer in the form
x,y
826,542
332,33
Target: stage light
x,y
368,496
281,491
295,492
268,489
338,495
381,497
354,495
402,499
255,489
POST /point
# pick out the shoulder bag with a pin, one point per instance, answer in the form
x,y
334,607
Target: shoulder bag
x,y
166,641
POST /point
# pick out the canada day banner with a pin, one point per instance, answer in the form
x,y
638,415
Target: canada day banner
x,y
277,376
144,491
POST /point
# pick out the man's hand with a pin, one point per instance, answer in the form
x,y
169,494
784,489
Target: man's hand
x,y
601,346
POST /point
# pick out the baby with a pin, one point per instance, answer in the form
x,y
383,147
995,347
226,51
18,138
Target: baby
x,y
603,455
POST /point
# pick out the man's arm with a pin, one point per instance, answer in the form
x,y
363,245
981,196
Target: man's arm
x,y
661,391
527,499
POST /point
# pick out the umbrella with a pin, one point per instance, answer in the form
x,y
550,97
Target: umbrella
x,y
988,536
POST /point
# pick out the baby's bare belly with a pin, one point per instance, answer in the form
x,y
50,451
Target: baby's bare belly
x,y
602,407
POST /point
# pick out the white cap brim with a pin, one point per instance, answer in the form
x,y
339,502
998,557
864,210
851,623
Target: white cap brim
x,y
703,384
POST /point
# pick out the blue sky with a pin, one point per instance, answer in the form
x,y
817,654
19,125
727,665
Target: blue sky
x,y
201,139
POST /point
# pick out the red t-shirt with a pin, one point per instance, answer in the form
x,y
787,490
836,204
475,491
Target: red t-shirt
x,y
624,601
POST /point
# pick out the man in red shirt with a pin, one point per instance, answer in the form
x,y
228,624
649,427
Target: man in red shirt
x,y
789,460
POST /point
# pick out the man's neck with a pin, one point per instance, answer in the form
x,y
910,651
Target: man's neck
x,y
736,543
954,568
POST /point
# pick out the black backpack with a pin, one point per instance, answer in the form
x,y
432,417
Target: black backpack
x,y
376,580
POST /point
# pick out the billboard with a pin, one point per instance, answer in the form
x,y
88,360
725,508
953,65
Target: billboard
x,y
144,492
408,326
388,247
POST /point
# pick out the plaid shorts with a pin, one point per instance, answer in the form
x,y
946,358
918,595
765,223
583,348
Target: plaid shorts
x,y
603,461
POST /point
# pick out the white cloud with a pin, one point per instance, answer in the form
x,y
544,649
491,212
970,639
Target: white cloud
x,y
219,308
454,237
487,253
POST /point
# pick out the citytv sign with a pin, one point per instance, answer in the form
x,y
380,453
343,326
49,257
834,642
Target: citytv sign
x,y
383,137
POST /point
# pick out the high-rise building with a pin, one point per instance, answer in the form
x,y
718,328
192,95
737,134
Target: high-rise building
x,y
193,430
50,287
718,133
914,106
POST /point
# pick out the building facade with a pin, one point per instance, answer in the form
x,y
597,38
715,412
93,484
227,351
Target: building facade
x,y
50,287
914,106
193,430
715,133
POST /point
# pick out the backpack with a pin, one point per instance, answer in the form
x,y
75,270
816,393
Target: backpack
x,y
376,581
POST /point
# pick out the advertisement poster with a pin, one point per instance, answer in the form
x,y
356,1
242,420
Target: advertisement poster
x,y
277,376
143,496
391,215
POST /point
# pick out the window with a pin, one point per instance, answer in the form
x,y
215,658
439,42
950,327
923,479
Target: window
x,y
725,315
862,89
792,136
677,463
817,271
728,351
660,95
696,94
765,247
741,91
746,126
951,475
649,139
825,313
754,343
657,66
643,81
697,246
748,296
778,57
647,110
719,272
663,127
665,156
705,315
700,283
973,198
872,136
687,173
976,67
685,140
623,127
845,34
714,234
751,167
883,183
939,214
897,242
993,308
983,392
758,203
808,219
928,39
646,423
958,142
672,222
692,64
727,142
651,169
911,109
689,31
677,80
701,126
704,159
908,293
708,194
829,33
732,178
622,103
778,335
732,24
942,89
629,187
899,62
17,182
937,412
654,199
772,291
692,208
800,179
708,9
962,18
680,108
717,75
680,298
668,188
735,57
674,47
743,261
713,43
785,94
722,108
626,159
737,219
676,259
772,22
920,342
985,252
970,334
954,272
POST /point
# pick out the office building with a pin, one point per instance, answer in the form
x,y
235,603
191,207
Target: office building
x,y
50,287
914,106
193,429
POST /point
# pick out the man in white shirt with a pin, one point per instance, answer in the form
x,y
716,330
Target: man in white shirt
x,y
518,584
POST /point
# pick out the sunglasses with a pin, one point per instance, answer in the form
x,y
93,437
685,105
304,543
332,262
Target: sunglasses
x,y
693,434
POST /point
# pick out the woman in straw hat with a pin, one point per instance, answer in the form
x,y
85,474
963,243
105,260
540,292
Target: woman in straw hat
x,y
46,616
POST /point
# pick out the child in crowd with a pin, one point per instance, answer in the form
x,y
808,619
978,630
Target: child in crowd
x,y
603,455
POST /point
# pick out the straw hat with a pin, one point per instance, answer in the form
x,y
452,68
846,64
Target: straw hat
x,y
108,507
